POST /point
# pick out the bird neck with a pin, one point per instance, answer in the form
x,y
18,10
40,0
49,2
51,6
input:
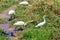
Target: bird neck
x,y
44,19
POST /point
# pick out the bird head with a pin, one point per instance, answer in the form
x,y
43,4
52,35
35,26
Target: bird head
x,y
44,16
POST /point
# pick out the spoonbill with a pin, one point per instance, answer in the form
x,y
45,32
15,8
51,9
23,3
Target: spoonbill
x,y
42,23
25,3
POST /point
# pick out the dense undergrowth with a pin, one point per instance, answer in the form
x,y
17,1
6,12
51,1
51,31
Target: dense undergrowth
x,y
35,11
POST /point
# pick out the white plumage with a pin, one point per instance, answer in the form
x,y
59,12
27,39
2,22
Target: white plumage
x,y
11,12
42,23
24,3
20,23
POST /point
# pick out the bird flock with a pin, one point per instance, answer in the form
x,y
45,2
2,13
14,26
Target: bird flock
x,y
22,23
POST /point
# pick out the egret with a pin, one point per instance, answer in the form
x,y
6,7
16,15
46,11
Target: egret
x,y
42,23
12,15
11,12
25,3
22,23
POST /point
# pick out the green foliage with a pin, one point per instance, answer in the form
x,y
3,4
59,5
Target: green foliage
x,y
1,30
37,34
2,34
2,21
35,11
2,38
5,4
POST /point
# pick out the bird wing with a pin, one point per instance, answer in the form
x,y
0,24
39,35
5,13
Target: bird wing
x,y
19,23
11,12
40,24
24,2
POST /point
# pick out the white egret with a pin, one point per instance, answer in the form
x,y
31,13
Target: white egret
x,y
42,23
21,23
11,12
25,3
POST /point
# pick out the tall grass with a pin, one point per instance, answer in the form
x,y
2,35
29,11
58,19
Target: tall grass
x,y
35,12
6,4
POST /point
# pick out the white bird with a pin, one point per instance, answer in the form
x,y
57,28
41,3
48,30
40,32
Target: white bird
x,y
11,12
21,23
42,23
24,3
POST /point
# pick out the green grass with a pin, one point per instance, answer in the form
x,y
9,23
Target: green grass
x,y
6,4
37,34
50,31
2,21
2,36
47,32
